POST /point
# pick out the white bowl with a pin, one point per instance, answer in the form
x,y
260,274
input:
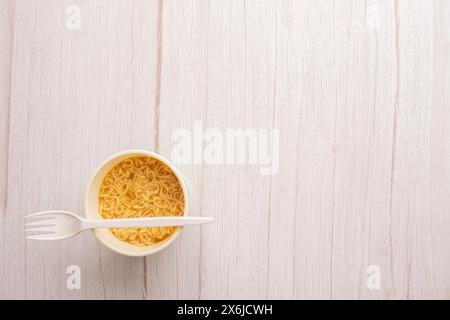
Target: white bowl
x,y
92,196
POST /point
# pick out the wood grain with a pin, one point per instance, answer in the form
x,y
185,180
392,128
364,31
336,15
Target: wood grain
x,y
175,273
357,89
439,148
77,97
6,37
366,115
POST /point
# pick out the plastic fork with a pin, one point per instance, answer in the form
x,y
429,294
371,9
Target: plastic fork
x,y
57,225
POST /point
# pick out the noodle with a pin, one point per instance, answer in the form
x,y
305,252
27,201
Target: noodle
x,y
141,187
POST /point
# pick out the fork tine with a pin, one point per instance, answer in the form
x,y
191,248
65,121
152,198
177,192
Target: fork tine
x,y
44,229
43,216
40,222
41,237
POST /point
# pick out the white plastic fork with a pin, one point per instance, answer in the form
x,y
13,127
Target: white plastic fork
x,y
57,225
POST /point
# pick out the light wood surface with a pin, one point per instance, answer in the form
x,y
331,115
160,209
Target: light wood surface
x,y
359,91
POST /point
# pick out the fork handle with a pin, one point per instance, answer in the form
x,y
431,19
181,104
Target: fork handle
x,y
144,222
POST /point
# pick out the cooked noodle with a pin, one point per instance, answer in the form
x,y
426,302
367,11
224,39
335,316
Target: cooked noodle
x,y
141,187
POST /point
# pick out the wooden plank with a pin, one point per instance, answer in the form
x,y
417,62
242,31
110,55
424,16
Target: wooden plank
x,y
6,35
315,150
77,97
241,80
287,109
420,149
366,70
175,273
439,215
242,87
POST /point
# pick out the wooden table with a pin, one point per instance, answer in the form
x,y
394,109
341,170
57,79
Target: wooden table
x,y
359,91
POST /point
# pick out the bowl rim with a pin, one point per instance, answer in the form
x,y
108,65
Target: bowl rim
x,y
137,152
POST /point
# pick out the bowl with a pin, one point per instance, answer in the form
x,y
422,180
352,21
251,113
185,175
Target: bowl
x,y
92,198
